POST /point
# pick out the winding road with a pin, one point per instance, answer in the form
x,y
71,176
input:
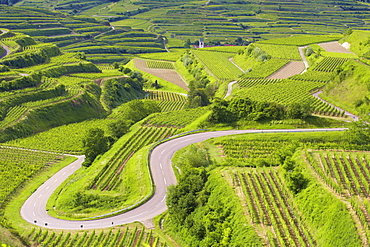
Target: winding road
x,y
7,50
34,209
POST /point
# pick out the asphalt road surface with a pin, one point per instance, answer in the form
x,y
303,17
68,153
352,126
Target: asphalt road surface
x,y
34,209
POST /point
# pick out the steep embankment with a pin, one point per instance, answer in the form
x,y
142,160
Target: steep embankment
x,y
358,42
349,88
72,110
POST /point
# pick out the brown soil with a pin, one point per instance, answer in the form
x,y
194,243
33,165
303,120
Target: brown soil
x,y
334,47
288,70
169,75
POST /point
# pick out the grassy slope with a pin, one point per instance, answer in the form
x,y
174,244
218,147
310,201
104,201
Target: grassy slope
x,y
136,185
351,89
50,140
358,41
327,216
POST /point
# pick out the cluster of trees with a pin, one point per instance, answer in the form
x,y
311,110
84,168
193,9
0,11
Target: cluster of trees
x,y
293,175
94,144
201,90
359,133
254,52
117,91
243,108
203,209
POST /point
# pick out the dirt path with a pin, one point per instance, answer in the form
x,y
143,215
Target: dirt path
x,y
348,114
231,61
230,88
300,49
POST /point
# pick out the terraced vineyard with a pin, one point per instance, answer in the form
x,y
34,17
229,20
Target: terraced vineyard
x,y
248,83
329,64
175,119
218,64
346,174
280,51
13,115
264,69
110,176
311,75
238,151
270,208
18,165
130,237
72,135
159,65
167,101
48,80
289,91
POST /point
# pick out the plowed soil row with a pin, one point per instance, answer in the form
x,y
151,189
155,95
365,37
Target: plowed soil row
x,y
334,47
169,75
288,70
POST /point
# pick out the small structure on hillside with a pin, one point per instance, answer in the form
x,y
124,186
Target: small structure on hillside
x,y
201,43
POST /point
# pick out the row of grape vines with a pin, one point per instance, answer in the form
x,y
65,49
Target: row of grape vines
x,y
114,237
167,106
13,114
240,149
165,96
256,81
269,206
348,175
159,64
105,67
218,63
175,119
109,178
329,64
290,91
17,165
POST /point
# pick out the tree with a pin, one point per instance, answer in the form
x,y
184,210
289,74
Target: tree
x,y
298,111
359,133
81,55
119,128
296,181
196,157
94,144
187,43
115,65
124,70
221,113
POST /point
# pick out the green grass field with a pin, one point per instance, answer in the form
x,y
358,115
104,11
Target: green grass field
x,y
71,68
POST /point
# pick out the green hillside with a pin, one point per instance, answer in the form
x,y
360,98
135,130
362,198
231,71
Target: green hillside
x,y
112,79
